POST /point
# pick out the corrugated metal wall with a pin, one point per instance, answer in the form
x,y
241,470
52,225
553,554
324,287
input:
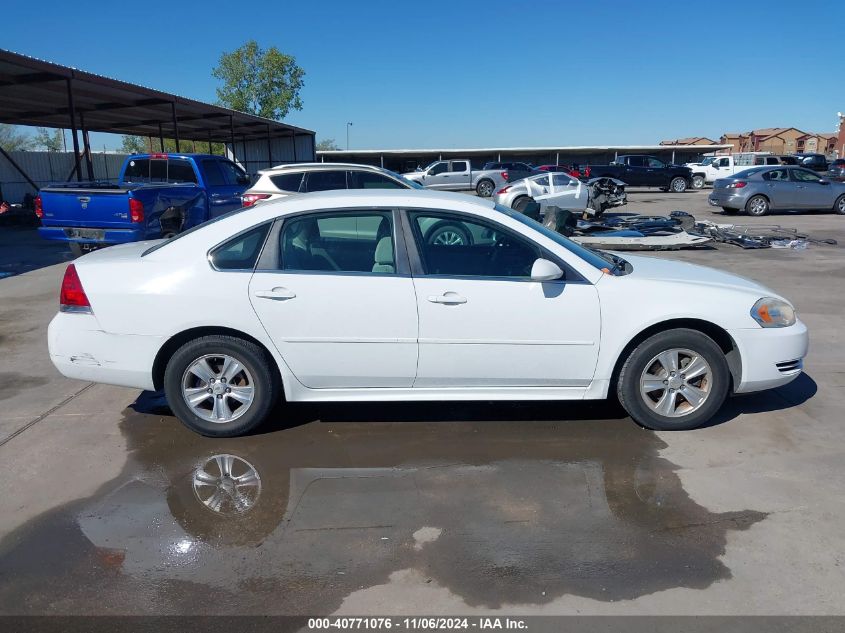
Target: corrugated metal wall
x,y
254,155
50,167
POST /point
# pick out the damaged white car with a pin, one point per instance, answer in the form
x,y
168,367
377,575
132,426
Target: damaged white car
x,y
591,198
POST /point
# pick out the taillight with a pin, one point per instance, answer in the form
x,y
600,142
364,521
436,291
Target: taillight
x,y
503,190
72,297
737,185
249,199
39,211
136,210
505,175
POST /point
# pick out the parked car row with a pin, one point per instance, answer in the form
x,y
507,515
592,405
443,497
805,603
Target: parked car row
x,y
713,167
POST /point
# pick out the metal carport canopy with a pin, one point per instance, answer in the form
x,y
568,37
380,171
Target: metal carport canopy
x,y
40,93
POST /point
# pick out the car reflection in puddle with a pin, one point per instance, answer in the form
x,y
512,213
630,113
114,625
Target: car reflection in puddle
x,y
498,503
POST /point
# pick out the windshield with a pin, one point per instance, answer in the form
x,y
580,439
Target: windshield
x,y
708,160
595,258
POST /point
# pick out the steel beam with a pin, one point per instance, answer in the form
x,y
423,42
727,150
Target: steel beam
x,y
175,124
18,167
72,114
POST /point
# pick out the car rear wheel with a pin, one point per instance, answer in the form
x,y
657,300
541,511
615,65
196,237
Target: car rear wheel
x,y
839,205
674,380
757,206
221,386
678,185
520,204
484,188
698,182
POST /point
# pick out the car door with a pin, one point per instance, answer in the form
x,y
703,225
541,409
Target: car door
x,y
779,189
225,183
656,172
437,176
484,323
811,191
460,176
636,171
338,301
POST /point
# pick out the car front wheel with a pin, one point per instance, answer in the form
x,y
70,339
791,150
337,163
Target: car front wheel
x,y
674,380
220,386
698,182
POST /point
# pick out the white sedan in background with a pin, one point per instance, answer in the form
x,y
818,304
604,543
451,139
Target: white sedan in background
x,y
347,296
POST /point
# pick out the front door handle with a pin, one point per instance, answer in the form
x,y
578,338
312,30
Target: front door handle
x,y
448,298
279,294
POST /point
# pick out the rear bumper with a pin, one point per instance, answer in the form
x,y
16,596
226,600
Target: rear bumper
x,y
108,236
722,198
79,349
771,357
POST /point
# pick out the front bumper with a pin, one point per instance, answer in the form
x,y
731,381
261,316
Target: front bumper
x,y
771,357
80,349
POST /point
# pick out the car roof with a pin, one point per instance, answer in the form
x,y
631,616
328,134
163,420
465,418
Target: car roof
x,y
315,166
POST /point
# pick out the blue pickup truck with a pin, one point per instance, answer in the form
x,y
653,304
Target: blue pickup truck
x,y
157,195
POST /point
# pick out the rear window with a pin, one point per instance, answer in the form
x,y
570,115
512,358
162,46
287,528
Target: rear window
x,y
748,173
159,170
287,181
241,252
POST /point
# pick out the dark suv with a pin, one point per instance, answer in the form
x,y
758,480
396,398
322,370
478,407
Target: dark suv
x,y
836,170
816,162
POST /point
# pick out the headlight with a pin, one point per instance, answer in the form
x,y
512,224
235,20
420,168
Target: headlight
x,y
771,312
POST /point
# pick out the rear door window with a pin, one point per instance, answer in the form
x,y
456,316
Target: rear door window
x,y
213,176
327,180
180,170
460,166
371,180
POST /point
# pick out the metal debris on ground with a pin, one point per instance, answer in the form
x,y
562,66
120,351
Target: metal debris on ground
x,y
759,236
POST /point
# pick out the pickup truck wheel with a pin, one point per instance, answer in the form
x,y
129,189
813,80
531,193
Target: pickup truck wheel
x,y
448,234
484,188
698,182
220,386
678,184
674,380
757,206
839,205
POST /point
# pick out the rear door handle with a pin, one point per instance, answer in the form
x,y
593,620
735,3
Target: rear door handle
x,y
279,294
448,298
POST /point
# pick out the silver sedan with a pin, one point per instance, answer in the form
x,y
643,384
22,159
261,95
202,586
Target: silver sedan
x,y
762,189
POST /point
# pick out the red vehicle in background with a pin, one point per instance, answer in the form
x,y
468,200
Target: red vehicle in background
x,y
572,170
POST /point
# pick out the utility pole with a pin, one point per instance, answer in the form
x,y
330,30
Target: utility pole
x,y
348,125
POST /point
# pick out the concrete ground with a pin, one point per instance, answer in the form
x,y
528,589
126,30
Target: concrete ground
x,y
522,508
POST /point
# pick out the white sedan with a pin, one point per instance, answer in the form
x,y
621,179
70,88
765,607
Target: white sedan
x,y
343,296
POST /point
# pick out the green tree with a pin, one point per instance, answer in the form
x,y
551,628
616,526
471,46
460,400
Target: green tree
x,y
326,144
135,144
261,82
13,140
50,141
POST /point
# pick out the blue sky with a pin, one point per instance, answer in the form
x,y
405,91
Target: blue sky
x,y
476,74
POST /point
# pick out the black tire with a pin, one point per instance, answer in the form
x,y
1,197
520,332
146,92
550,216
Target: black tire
x,y
698,181
520,204
485,188
628,384
757,206
678,184
839,205
256,361
75,249
729,210
448,234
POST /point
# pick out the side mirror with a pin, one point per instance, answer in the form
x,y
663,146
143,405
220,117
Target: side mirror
x,y
544,270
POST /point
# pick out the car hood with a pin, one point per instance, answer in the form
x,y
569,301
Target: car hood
x,y
653,268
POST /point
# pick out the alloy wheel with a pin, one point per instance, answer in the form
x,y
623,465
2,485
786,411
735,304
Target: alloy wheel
x,y
227,484
218,388
676,382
